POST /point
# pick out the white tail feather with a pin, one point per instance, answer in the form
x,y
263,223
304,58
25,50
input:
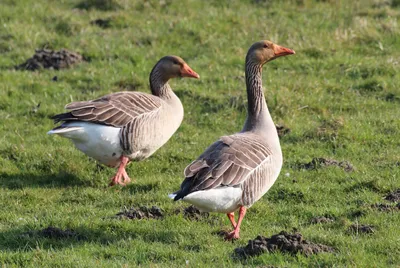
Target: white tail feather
x,y
63,130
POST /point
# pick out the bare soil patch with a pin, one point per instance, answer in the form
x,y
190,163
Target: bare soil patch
x,y
321,219
102,23
142,212
361,228
393,196
50,59
320,162
192,213
283,242
385,207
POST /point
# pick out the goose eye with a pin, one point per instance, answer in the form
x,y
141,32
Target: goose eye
x,y
175,62
265,46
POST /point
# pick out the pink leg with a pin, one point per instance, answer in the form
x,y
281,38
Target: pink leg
x,y
231,217
235,233
126,177
121,173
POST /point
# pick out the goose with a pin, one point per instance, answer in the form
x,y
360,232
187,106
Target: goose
x,y
237,170
127,126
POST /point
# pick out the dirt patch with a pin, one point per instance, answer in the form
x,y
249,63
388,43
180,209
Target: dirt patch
x,y
393,196
102,23
319,162
221,233
50,59
141,213
321,219
283,242
55,233
192,213
385,207
282,130
357,213
361,228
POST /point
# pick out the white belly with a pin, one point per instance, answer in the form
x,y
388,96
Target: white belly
x,y
222,199
97,141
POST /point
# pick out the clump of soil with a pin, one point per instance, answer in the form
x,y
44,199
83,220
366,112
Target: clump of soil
x,y
357,213
321,219
282,130
192,213
221,233
102,23
50,59
385,207
361,228
141,213
284,242
393,196
54,232
319,162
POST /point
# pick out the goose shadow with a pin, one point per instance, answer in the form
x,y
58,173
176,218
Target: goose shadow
x,y
49,180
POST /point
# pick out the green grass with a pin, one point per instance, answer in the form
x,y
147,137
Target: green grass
x,y
339,95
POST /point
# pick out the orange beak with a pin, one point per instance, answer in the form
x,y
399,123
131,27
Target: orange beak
x,y
282,51
186,71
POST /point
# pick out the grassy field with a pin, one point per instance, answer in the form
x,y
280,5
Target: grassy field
x,y
339,95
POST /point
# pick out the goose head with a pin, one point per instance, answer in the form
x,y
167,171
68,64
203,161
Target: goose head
x,y
174,66
264,51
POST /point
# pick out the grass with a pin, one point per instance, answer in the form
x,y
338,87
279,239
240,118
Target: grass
x,y
339,95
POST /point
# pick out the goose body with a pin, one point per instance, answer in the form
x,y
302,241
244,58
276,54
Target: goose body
x,y
237,170
127,126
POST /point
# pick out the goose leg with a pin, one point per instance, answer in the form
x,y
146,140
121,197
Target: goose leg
x,y
121,173
235,233
231,217
126,177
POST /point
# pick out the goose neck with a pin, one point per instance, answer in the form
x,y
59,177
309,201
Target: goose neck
x,y
159,84
258,116
255,95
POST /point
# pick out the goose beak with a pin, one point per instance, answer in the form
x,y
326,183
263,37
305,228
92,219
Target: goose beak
x,y
186,71
282,51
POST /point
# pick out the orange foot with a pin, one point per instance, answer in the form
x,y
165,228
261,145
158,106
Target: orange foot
x,y
236,227
232,235
121,173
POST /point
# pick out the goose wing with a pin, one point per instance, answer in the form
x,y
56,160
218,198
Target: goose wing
x,y
231,161
117,109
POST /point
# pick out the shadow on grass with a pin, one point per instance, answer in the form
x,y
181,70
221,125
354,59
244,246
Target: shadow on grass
x,y
26,239
140,187
103,5
62,179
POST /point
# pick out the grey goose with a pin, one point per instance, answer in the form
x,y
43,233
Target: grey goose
x,y
237,170
127,126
